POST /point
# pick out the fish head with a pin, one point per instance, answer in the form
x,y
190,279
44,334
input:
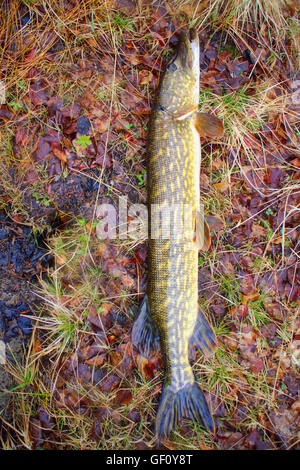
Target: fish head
x,y
179,90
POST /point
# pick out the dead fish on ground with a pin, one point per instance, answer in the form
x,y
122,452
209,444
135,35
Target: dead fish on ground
x,y
169,315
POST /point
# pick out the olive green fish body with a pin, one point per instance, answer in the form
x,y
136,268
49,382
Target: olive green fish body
x,y
169,313
173,264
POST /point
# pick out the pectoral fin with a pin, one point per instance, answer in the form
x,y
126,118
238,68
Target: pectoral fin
x,y
208,125
144,335
203,239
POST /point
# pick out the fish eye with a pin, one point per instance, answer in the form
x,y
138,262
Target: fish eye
x,y
172,67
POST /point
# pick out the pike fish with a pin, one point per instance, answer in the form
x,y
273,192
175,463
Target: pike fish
x,y
169,316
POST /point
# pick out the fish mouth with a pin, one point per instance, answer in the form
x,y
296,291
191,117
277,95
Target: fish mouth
x,y
188,50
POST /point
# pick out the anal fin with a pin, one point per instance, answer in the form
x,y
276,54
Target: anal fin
x,y
144,335
203,337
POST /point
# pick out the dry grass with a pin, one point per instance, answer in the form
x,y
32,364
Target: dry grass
x,y
274,24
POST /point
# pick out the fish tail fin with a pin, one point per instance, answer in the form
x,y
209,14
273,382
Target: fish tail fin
x,y
174,404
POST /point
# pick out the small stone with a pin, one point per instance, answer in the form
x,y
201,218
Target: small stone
x,y
84,125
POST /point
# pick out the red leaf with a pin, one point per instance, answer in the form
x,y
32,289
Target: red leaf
x,y
123,397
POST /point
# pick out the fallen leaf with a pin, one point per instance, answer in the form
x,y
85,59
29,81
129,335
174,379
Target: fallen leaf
x,y
59,152
222,186
258,231
115,358
96,361
145,77
123,397
148,367
101,124
110,383
60,259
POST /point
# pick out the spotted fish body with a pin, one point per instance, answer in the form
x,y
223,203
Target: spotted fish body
x,y
173,265
169,314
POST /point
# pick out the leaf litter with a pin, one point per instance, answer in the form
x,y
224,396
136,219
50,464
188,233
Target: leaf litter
x,y
77,110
